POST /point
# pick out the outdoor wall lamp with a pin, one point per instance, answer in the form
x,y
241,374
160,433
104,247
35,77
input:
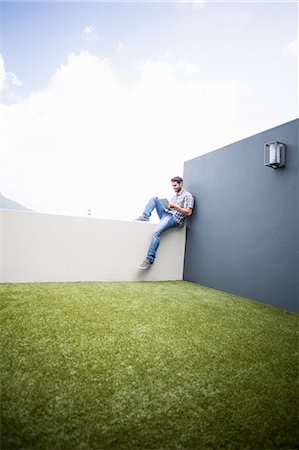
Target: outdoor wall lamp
x,y
274,154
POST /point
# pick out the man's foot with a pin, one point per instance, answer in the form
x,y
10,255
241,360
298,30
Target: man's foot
x,y
145,264
141,219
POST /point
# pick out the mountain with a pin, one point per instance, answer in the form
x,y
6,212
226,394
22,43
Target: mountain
x,y
7,203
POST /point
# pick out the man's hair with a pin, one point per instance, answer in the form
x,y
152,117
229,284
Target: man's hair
x,y
176,180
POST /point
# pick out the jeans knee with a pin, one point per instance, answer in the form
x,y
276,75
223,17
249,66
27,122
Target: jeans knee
x,y
155,198
156,234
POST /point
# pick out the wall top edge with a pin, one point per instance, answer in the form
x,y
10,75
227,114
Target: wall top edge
x,y
293,121
31,213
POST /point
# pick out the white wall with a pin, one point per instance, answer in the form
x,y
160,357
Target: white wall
x,y
45,248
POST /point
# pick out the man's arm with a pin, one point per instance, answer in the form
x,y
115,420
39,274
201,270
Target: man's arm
x,y
185,211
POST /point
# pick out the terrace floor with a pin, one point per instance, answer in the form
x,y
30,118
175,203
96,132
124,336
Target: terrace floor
x,y
145,365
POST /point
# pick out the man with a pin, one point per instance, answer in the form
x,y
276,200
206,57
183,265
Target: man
x,y
180,206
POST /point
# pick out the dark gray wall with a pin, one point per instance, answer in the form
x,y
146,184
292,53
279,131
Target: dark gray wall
x,y
243,235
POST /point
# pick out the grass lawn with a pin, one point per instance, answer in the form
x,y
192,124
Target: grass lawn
x,y
149,365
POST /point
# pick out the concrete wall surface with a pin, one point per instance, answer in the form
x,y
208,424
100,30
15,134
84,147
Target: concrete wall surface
x,y
243,235
50,248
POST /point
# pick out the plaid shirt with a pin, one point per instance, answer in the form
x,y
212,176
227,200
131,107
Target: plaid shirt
x,y
185,200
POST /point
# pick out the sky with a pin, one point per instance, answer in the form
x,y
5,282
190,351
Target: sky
x,y
103,102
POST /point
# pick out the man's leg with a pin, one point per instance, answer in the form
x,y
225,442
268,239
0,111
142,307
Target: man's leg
x,y
153,203
167,221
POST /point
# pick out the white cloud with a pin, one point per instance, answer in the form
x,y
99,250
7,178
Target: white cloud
x,y
199,4
195,4
89,141
292,48
161,73
120,46
90,34
187,69
2,73
7,79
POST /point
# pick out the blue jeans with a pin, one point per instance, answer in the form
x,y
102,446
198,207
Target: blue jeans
x,y
166,221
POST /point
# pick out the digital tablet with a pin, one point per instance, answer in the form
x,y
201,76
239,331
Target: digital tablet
x,y
164,202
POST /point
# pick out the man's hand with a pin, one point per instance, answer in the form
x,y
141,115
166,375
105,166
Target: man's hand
x,y
185,211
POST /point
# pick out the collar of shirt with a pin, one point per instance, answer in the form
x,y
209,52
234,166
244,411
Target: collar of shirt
x,y
181,192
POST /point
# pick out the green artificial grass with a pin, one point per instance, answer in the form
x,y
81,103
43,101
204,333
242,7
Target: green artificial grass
x,y
157,365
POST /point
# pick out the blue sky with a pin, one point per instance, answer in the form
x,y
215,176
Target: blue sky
x,y
225,39
132,90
